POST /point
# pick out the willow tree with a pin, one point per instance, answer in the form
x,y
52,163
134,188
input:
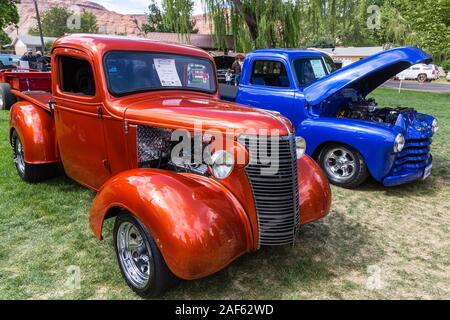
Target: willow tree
x,y
278,23
176,16
425,24
289,23
253,23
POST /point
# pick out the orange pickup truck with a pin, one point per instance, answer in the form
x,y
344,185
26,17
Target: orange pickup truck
x,y
192,181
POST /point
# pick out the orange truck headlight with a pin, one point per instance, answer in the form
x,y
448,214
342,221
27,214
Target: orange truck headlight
x,y
222,164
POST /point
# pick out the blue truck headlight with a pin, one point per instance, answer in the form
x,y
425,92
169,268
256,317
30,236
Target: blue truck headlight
x,y
435,126
300,144
222,164
399,143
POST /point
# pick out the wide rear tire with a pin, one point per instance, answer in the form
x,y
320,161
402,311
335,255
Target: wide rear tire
x,y
343,165
31,172
7,99
139,258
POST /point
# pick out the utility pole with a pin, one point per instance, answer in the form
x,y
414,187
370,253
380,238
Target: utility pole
x,y
38,17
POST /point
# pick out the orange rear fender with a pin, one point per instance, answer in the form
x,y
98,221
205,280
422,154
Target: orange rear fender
x,y
199,227
36,130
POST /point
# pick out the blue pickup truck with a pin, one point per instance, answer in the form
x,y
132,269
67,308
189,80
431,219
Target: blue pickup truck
x,y
348,134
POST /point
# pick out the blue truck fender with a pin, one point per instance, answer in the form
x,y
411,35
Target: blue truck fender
x,y
373,142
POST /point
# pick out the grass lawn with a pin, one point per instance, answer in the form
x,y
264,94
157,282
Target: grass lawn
x,y
398,235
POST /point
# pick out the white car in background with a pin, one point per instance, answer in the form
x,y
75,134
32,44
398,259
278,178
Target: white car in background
x,y
420,72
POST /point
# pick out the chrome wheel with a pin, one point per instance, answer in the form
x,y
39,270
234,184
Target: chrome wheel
x,y
19,158
340,164
134,254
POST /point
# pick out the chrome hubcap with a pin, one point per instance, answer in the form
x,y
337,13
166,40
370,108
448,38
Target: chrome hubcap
x,y
340,164
19,156
134,255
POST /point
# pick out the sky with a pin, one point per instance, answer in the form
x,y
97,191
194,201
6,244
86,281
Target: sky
x,y
137,6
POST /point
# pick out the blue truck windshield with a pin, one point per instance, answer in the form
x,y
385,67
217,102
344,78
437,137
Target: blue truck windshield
x,y
130,72
309,70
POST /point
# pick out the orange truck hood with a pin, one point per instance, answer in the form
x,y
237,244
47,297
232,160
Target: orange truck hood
x,y
212,114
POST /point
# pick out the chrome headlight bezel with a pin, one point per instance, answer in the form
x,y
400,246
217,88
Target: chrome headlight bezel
x,y
300,146
222,164
399,143
435,126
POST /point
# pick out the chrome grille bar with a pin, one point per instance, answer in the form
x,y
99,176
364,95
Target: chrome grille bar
x,y
277,195
415,156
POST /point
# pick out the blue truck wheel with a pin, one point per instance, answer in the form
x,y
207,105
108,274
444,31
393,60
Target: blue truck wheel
x,y
343,165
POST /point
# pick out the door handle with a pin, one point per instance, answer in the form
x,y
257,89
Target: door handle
x,y
51,106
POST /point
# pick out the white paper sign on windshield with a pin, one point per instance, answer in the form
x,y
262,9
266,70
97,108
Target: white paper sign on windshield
x,y
167,72
319,70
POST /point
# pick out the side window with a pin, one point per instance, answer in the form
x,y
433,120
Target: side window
x,y
76,76
269,73
309,70
330,64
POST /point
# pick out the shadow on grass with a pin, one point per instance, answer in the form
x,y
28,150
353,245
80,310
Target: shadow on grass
x,y
64,183
323,251
419,188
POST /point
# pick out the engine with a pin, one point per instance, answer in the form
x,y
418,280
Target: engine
x,y
370,111
155,147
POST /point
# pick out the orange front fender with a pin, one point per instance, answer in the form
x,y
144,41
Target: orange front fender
x,y
36,130
198,225
315,192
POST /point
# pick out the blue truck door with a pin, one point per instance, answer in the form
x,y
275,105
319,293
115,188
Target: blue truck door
x,y
269,86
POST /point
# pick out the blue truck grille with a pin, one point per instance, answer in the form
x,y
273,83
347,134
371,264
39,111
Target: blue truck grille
x,y
277,195
415,155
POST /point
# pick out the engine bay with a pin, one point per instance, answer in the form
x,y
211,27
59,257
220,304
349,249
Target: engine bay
x,y
370,111
155,147
351,104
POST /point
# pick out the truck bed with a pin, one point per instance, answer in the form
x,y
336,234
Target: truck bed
x,y
31,80
39,98
228,93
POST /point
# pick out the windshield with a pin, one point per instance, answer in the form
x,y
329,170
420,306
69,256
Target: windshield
x,y
309,70
131,72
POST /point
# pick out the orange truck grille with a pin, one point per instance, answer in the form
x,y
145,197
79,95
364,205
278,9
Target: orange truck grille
x,y
276,195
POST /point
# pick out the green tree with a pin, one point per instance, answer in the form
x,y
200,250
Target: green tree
x,y
48,46
290,23
175,16
8,16
425,24
55,22
88,23
154,20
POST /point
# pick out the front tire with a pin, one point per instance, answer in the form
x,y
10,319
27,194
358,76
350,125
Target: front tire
x,y
343,165
30,172
139,258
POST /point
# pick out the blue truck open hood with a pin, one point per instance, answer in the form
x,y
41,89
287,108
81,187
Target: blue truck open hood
x,y
367,74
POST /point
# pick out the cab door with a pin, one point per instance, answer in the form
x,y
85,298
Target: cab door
x,y
78,118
